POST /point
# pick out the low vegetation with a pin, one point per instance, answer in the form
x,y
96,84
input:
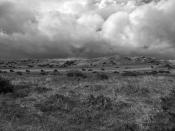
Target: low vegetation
x,y
87,98
5,86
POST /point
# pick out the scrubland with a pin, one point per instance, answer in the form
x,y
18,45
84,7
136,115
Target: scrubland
x,y
86,101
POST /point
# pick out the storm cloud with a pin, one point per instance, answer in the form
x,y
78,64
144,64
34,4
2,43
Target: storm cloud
x,y
86,28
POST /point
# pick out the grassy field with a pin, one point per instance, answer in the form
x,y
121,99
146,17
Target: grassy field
x,y
86,101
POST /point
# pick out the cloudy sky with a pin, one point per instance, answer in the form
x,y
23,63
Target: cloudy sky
x,y
86,28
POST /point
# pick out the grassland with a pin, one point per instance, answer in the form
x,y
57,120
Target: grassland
x,y
86,100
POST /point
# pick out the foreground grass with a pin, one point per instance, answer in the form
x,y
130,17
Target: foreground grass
x,y
93,103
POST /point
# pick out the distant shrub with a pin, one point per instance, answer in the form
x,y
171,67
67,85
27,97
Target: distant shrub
x,y
154,72
67,64
90,70
164,71
43,72
102,69
19,73
129,73
116,72
102,76
27,71
12,70
55,71
76,74
30,66
5,86
83,69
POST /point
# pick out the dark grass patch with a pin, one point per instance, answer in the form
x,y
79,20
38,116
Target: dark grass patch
x,y
21,91
129,73
76,73
19,73
41,89
5,86
102,76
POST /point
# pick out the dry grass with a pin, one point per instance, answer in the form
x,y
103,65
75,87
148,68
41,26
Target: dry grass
x,y
95,103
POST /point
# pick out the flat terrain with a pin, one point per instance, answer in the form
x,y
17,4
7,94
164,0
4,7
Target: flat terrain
x,y
102,94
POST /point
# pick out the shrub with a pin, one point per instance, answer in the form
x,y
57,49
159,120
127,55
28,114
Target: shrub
x,y
5,86
129,73
90,70
116,72
27,71
76,74
19,73
83,69
102,76
102,69
55,71
12,70
43,72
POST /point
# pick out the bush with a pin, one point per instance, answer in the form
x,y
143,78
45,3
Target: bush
x,y
129,73
116,72
90,69
19,73
102,69
76,74
83,69
27,71
102,76
5,86
55,71
12,70
43,72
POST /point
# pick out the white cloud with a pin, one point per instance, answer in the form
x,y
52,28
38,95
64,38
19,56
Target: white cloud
x,y
65,28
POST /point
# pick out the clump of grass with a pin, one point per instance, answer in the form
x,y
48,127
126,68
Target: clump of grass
x,y
129,73
76,73
43,72
27,71
102,76
12,70
19,73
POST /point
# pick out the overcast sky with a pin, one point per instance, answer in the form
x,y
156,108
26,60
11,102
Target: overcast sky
x,y
86,28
